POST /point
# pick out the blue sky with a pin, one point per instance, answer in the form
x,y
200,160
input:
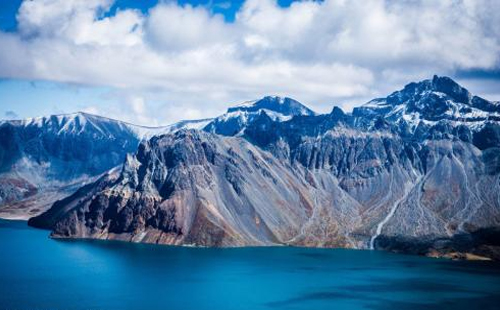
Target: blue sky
x,y
156,62
8,8
59,98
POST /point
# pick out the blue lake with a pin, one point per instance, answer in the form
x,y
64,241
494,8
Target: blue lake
x,y
38,273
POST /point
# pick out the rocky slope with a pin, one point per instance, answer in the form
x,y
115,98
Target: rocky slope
x,y
418,171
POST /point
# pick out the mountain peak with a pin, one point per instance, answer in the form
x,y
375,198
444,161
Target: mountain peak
x,y
441,85
283,105
79,117
76,123
237,117
451,88
439,98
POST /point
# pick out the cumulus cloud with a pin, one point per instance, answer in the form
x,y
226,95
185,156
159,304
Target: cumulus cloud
x,y
171,28
185,62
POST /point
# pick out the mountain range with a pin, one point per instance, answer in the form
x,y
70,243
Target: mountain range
x,y
45,159
417,172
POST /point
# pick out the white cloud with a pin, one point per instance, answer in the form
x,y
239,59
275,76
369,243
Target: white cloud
x,y
91,110
171,28
138,105
181,61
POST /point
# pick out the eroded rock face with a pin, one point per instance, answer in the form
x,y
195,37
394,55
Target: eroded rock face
x,y
394,172
193,187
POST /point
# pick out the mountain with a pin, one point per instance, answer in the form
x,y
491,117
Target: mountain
x,y
45,159
422,108
234,121
417,171
433,100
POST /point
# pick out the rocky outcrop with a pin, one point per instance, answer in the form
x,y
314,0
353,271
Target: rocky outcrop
x,y
191,187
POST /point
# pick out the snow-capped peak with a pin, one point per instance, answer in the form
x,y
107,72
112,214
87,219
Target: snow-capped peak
x,y
433,99
60,123
282,105
430,102
277,108
80,123
234,121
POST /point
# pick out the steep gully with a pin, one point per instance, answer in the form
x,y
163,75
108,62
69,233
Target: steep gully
x,y
380,225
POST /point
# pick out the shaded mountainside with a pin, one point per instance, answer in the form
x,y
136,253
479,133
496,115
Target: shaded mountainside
x,y
44,159
395,174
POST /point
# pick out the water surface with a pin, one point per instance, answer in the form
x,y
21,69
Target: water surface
x,y
37,272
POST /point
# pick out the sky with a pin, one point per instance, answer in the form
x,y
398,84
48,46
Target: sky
x,y
155,62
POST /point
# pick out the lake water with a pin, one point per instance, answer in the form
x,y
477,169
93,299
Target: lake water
x,y
38,273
